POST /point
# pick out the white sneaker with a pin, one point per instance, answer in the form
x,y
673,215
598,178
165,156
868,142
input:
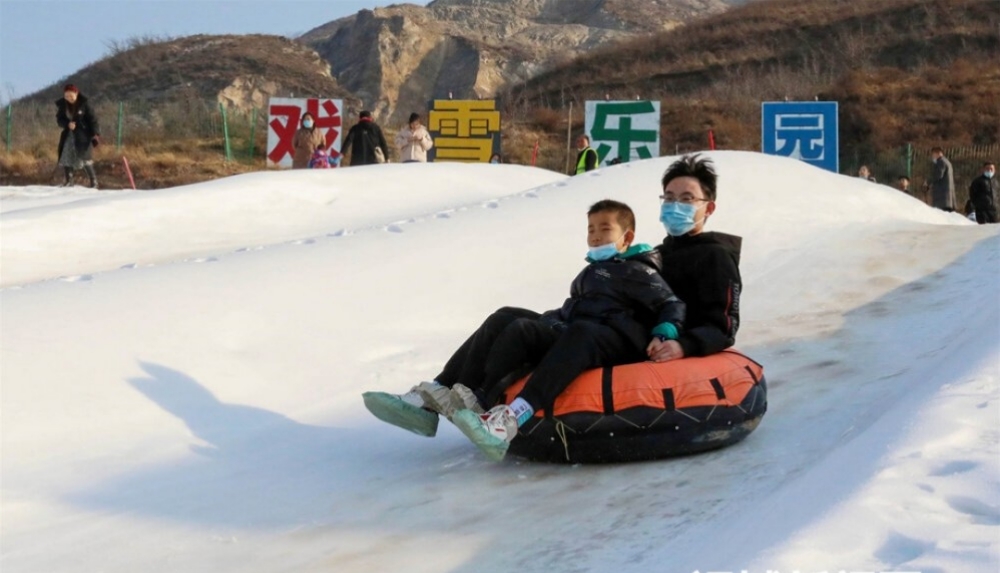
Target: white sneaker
x,y
446,401
413,397
500,422
407,411
492,432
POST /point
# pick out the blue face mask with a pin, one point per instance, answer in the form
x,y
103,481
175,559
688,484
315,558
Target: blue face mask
x,y
677,218
603,252
308,124
988,174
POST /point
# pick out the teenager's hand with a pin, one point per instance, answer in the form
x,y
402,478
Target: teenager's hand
x,y
72,125
663,351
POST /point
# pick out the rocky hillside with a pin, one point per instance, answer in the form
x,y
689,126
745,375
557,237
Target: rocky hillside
x,y
397,58
904,71
241,71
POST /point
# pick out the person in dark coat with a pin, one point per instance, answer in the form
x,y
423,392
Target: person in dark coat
x,y
984,193
942,182
701,267
80,133
363,139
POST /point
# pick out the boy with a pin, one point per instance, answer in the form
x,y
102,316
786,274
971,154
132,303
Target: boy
x,y
617,304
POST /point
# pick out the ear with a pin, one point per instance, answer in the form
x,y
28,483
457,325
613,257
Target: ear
x,y
709,208
628,237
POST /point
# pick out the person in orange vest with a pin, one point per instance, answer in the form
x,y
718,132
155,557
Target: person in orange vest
x,y
586,159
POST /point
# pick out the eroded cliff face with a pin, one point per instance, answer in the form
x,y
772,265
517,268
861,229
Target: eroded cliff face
x,y
398,58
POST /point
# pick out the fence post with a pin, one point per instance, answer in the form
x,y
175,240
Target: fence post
x,y
225,132
121,116
253,128
10,116
569,134
909,161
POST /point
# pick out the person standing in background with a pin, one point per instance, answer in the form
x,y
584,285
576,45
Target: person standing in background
x,y
413,141
586,158
306,141
942,182
983,193
366,142
80,134
865,173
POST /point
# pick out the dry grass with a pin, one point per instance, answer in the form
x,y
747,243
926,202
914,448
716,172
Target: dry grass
x,y
153,166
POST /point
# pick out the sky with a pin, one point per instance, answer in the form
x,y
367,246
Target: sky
x,y
43,41
182,374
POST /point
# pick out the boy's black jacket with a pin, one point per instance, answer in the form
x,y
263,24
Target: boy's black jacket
x,y
627,294
703,270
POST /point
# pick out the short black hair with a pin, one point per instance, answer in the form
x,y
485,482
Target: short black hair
x,y
695,166
937,149
903,177
414,117
624,214
988,163
365,113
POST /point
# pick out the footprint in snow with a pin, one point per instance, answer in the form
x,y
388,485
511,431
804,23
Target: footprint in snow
x,y
248,249
491,204
340,233
202,260
956,467
394,228
980,512
443,215
531,195
129,266
76,278
899,549
305,241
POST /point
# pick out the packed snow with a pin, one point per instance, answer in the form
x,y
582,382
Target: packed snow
x,y
181,378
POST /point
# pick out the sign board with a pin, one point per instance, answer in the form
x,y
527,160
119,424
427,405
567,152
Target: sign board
x,y
623,129
463,130
804,130
284,118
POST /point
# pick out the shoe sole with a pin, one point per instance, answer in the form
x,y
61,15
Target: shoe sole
x,y
450,401
469,423
391,410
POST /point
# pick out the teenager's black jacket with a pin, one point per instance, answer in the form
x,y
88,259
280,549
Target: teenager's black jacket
x,y
703,271
626,293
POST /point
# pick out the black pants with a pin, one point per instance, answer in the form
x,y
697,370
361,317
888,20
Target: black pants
x,y
986,213
468,365
513,338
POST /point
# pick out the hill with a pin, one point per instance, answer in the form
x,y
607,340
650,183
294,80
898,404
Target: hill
x,y
398,58
239,70
920,71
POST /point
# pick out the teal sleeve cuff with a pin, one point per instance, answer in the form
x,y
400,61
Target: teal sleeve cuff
x,y
666,331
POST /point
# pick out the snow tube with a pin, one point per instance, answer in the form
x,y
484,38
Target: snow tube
x,y
647,411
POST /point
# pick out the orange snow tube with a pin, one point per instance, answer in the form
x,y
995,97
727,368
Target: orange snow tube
x,y
646,411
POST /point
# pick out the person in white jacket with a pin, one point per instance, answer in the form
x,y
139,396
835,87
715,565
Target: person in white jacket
x,y
413,141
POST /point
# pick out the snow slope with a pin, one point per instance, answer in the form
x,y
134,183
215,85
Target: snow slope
x,y
181,376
